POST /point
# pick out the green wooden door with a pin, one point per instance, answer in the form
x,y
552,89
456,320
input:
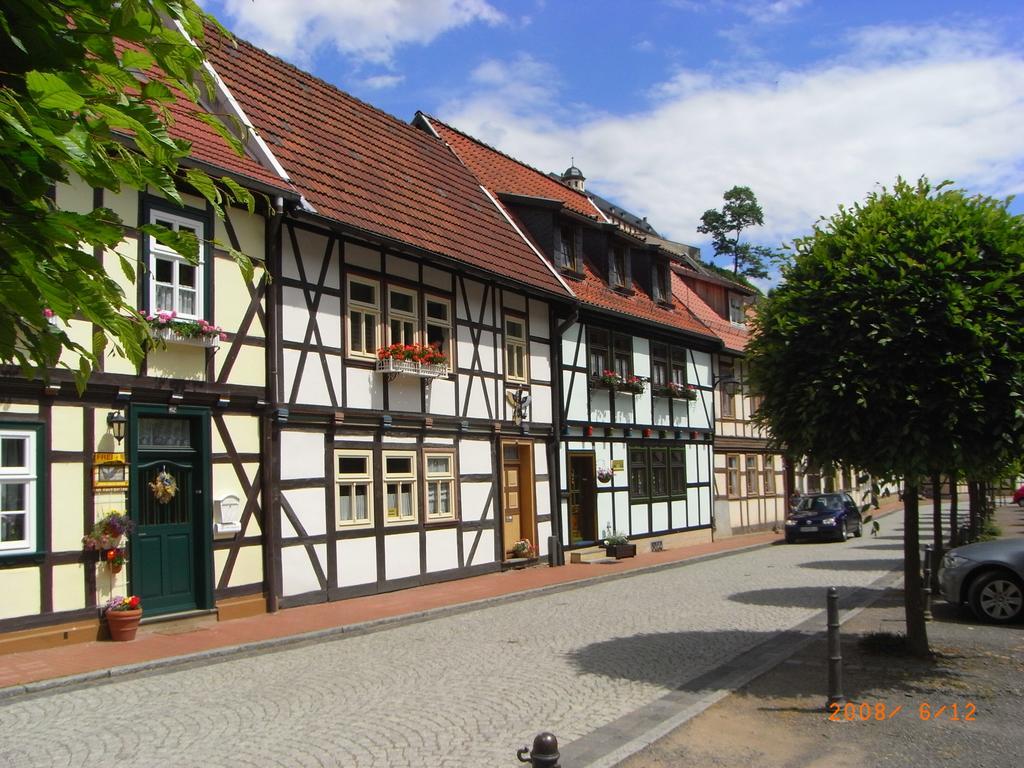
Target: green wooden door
x,y
166,560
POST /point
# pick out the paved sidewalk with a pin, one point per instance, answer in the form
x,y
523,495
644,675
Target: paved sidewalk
x,y
159,645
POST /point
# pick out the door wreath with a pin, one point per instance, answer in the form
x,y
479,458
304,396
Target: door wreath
x,y
164,486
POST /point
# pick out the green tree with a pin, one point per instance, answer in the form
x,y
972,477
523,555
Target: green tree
x,y
740,211
73,101
894,345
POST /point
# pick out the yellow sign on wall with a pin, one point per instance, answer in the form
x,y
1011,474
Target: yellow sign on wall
x,y
618,465
109,471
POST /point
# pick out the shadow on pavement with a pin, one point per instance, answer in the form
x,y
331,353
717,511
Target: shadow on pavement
x,y
806,597
882,546
890,564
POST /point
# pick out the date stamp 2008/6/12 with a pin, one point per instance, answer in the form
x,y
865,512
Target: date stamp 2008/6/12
x,y
865,711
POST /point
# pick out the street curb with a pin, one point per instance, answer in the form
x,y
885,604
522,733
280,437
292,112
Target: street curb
x,y
169,663
599,750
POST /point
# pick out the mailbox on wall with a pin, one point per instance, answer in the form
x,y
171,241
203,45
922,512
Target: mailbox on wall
x,y
227,515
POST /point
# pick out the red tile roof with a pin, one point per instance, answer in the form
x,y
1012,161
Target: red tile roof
x,y
733,336
207,145
365,169
503,174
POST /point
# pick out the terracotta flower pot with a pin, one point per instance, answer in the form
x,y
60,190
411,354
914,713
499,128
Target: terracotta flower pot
x,y
123,624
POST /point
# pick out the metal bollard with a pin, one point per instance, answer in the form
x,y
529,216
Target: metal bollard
x,y
835,651
926,590
544,753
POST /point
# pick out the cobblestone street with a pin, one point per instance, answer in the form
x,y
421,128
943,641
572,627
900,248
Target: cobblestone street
x,y
461,690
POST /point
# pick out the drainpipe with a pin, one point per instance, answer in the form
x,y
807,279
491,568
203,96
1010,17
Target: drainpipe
x,y
555,450
271,432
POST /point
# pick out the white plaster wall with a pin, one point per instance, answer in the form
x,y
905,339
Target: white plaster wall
x,y
441,397
679,513
442,550
621,522
474,293
576,405
569,337
540,361
604,513
400,267
437,278
474,457
357,561
514,301
361,256
474,499
659,513
543,531
401,555
364,389
539,320
540,410
623,408
302,454
404,394
638,520
309,506
484,550
297,574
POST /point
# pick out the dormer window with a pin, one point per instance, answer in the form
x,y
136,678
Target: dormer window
x,y
618,268
662,290
568,249
737,314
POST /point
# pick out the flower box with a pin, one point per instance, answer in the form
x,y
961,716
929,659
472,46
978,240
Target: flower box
x,y
633,385
676,392
170,336
619,551
413,368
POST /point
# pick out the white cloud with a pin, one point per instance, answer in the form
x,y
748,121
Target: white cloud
x,y
365,30
381,82
804,141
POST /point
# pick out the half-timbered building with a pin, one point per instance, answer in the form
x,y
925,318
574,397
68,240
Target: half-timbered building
x,y
751,488
193,416
635,412
411,375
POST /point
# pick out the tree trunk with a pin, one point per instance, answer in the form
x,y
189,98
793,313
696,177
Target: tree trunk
x,y
913,599
954,520
974,509
937,540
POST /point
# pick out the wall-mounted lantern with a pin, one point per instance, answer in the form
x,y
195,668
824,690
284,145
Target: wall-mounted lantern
x,y
116,421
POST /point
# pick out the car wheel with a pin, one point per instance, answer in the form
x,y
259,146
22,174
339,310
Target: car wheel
x,y
860,529
844,533
1020,502
996,596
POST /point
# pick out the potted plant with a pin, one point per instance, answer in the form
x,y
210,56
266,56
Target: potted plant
x,y
123,615
604,474
167,326
107,539
617,545
633,384
523,548
607,379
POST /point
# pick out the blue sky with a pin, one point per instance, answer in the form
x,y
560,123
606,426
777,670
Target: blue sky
x,y
665,104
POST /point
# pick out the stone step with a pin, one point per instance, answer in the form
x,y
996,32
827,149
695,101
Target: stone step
x,y
590,555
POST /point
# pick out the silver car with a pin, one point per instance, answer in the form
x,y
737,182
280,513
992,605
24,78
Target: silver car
x,y
988,576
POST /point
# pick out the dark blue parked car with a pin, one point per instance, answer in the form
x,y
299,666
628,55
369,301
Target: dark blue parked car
x,y
831,516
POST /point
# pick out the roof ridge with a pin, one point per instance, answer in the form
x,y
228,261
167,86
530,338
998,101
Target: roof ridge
x,y
507,156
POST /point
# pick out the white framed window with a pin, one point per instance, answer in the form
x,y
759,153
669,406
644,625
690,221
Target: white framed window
x,y
18,490
402,319
769,475
353,480
515,349
399,487
732,476
363,317
617,269
438,315
750,462
440,484
175,283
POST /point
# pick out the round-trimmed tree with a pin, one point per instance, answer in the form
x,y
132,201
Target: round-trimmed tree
x,y
895,344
